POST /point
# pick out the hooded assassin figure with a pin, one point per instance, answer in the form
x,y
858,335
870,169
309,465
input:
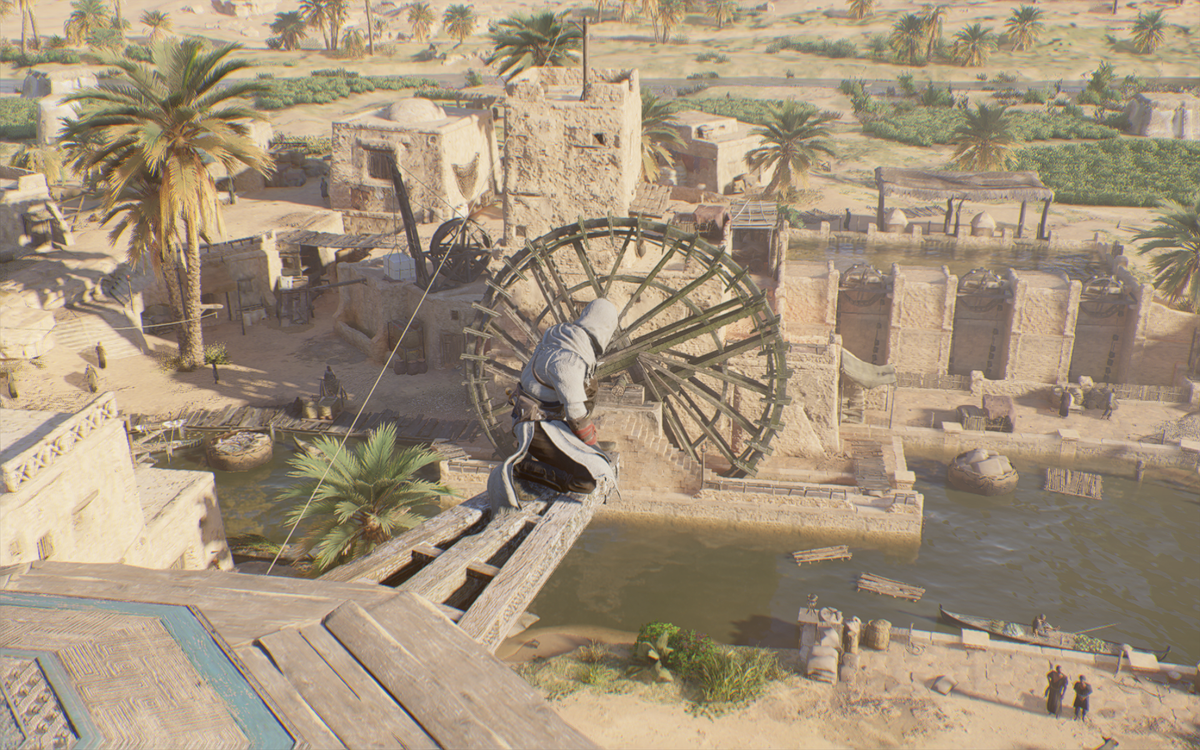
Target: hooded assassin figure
x,y
556,438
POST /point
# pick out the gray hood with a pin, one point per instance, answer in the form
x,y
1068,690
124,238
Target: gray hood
x,y
599,318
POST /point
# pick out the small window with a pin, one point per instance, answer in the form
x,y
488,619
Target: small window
x,y
521,230
45,546
379,163
600,139
14,549
454,315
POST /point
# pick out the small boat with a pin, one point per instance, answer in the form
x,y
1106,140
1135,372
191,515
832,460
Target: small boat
x,y
239,451
982,472
1054,639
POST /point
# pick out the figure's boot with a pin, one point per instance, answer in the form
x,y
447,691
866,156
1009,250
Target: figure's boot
x,y
551,476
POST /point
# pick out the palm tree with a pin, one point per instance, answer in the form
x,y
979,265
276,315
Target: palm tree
x,y
459,21
908,39
1175,242
972,45
161,124
1149,31
158,22
421,16
290,28
722,11
670,15
336,12
354,44
87,17
361,497
1024,26
860,9
316,14
657,135
984,142
534,41
792,138
933,19
35,158
627,9
28,21
151,235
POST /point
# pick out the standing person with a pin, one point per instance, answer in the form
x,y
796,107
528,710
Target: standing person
x,y
1064,404
1056,688
216,376
1110,403
1082,691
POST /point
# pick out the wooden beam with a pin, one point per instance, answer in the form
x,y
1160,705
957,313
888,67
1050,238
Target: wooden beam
x,y
299,714
496,610
442,577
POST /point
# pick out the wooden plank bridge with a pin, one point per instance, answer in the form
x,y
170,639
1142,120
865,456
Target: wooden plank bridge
x,y
482,571
280,419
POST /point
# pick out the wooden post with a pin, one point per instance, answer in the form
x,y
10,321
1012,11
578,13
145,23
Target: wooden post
x,y
879,227
1045,215
949,215
958,216
1021,221
583,95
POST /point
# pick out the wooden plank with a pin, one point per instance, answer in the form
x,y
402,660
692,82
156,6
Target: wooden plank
x,y
398,722
394,554
440,578
496,610
298,713
887,587
840,552
462,695
241,607
358,719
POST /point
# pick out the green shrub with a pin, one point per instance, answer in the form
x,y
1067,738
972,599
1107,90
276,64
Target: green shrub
x,y
934,96
1117,172
1035,96
906,84
754,111
139,52
651,631
839,49
730,676
925,126
309,145
19,59
690,650
473,77
215,353
707,75
716,57
325,86
18,118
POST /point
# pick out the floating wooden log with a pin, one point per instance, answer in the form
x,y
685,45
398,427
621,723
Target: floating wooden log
x,y
887,587
1078,483
840,552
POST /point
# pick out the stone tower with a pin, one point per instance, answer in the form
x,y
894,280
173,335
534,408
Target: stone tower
x,y
569,153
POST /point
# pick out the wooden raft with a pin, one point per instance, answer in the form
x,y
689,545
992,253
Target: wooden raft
x,y
1078,483
486,571
887,587
840,552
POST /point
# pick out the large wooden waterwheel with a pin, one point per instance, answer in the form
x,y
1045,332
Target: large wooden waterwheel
x,y
695,331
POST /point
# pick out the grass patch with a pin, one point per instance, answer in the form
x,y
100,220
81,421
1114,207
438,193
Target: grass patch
x,y
843,48
926,126
13,54
734,676
18,118
1118,172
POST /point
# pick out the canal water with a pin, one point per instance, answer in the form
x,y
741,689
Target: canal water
x,y
1130,559
845,252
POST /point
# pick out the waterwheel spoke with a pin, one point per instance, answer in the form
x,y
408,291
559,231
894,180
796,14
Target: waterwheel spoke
x,y
583,249
564,297
612,275
673,422
706,394
695,412
536,269
719,373
668,253
676,333
675,297
519,347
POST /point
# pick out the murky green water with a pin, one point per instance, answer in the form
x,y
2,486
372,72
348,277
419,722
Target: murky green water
x,y
936,252
1131,559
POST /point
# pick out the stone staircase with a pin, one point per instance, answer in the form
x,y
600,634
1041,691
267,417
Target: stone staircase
x,y
870,470
80,327
648,459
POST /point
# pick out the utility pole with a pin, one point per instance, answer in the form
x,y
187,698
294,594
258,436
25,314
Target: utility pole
x,y
583,94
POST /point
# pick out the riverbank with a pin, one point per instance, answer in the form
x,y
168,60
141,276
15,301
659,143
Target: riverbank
x,y
997,703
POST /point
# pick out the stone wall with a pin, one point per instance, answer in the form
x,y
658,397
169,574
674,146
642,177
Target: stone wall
x,y
1160,340
922,319
71,492
448,157
365,309
1041,327
806,299
567,158
1164,115
980,338
811,419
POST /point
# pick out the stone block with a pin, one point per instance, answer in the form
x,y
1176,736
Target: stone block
x,y
975,640
1068,435
1189,446
952,428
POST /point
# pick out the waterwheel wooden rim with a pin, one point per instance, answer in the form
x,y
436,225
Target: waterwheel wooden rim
x,y
702,340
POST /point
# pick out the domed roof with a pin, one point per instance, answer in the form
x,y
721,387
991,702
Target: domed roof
x,y
414,110
896,216
983,220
